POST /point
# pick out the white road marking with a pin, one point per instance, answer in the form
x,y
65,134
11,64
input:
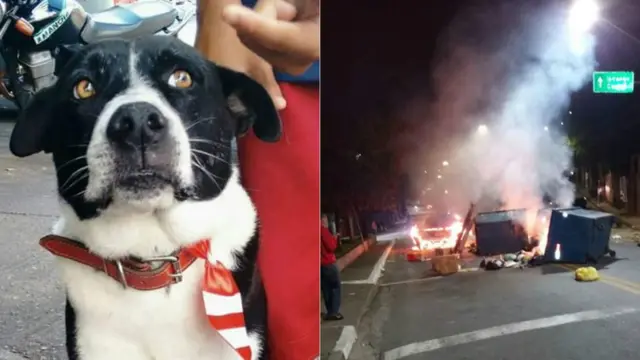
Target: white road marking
x,y
376,272
346,340
394,235
411,281
463,270
497,331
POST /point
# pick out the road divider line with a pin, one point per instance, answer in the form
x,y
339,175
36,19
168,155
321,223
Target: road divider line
x,y
498,331
437,277
411,281
376,272
379,266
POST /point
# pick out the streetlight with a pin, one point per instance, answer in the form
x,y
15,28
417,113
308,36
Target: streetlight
x,y
483,129
582,16
546,128
439,176
445,163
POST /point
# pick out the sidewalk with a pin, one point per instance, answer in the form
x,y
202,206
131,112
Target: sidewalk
x,y
629,232
627,220
337,337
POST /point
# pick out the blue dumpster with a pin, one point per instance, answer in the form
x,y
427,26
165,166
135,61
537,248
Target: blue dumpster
x,y
500,232
578,236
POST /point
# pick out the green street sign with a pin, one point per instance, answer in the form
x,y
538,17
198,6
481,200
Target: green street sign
x,y
613,82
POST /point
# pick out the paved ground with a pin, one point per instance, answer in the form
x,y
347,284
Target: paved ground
x,y
536,313
357,292
31,298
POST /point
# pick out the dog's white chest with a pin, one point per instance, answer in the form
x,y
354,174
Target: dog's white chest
x,y
114,323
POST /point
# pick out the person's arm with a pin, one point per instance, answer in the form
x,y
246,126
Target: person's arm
x,y
329,241
289,41
216,39
219,42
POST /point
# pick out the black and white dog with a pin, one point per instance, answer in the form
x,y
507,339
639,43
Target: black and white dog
x,y
140,133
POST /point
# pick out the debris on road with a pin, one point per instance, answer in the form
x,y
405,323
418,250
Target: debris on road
x,y
446,264
625,234
519,260
586,274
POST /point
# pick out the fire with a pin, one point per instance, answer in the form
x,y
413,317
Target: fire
x,y
429,244
542,232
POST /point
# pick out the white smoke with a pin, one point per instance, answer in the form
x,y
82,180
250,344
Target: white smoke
x,y
516,77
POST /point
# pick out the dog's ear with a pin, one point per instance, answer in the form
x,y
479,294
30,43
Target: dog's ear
x,y
31,132
251,105
30,135
63,54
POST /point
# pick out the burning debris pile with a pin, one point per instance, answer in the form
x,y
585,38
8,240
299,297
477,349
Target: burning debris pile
x,y
503,243
511,231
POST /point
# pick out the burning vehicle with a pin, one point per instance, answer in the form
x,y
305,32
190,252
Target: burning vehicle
x,y
436,231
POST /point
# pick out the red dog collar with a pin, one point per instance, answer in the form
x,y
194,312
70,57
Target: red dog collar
x,y
130,272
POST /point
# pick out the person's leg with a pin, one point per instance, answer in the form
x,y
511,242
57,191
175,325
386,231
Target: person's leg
x,y
336,291
325,288
283,180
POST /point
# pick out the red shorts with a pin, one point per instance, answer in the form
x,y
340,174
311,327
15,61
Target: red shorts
x,y
283,180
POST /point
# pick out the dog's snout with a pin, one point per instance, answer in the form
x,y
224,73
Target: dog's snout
x,y
137,123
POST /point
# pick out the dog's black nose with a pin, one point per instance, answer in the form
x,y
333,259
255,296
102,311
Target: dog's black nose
x,y
137,123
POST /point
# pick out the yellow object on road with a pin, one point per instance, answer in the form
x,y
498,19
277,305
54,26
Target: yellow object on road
x,y
587,274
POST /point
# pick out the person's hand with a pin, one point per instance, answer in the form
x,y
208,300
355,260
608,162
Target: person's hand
x,y
218,41
259,70
269,31
257,67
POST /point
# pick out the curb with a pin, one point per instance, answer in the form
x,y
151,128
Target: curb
x,y
618,218
367,303
353,254
349,335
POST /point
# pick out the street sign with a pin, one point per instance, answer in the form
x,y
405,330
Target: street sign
x,y
613,82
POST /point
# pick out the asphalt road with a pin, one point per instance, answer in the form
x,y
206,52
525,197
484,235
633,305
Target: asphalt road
x,y
535,313
31,297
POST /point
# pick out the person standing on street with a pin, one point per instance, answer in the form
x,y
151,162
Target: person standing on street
x,y
329,273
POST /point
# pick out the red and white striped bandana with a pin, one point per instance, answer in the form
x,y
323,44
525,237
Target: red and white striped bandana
x,y
223,302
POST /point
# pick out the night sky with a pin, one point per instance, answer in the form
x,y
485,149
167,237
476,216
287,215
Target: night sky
x,y
378,54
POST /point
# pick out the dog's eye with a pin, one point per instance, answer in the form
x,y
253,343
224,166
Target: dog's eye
x,y
180,79
83,90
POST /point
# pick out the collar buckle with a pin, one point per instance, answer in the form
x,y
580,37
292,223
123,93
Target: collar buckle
x,y
173,260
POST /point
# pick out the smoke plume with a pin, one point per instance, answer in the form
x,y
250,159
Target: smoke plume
x,y
511,68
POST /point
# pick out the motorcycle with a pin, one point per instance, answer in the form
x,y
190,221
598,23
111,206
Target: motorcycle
x,y
32,31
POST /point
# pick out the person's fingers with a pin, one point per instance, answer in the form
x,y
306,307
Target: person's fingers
x,y
265,77
266,8
287,62
285,11
282,36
